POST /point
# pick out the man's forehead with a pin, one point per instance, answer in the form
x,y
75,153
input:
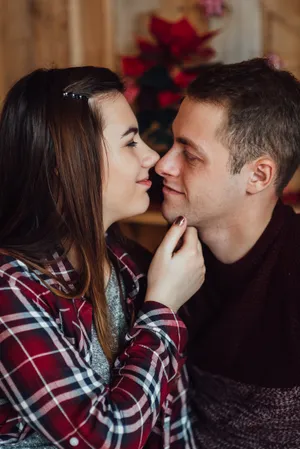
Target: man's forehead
x,y
194,114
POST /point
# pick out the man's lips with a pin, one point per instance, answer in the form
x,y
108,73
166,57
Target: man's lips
x,y
171,191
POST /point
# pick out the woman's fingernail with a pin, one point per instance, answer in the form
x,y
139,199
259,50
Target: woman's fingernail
x,y
179,220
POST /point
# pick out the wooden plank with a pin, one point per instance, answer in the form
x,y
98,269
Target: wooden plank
x,y
282,37
97,33
75,33
15,42
50,33
288,10
174,10
150,217
282,32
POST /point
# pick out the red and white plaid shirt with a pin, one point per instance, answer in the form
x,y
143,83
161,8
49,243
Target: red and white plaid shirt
x,y
47,384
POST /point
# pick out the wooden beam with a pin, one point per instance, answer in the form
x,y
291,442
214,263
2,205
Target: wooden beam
x,y
97,33
50,33
15,42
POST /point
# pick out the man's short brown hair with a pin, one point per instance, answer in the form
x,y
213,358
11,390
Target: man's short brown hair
x,y
263,113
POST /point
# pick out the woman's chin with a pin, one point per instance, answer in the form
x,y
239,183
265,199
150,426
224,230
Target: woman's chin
x,y
133,208
142,207
145,206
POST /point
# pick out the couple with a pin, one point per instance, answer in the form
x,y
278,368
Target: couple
x,y
92,349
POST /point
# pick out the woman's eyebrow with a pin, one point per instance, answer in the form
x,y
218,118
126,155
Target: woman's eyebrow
x,y
131,129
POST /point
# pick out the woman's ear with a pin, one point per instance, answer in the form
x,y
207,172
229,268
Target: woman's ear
x,y
262,175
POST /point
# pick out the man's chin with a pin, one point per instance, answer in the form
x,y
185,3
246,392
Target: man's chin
x,y
168,213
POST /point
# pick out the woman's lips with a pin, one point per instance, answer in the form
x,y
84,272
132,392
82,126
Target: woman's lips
x,y
169,191
145,182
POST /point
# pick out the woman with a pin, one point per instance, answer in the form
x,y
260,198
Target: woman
x,y
85,361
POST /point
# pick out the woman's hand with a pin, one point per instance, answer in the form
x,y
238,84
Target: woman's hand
x,y
174,276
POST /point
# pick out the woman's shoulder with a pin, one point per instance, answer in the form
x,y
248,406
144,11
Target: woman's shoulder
x,y
23,278
13,268
20,287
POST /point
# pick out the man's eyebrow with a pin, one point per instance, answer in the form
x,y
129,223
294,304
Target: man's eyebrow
x,y
130,130
186,141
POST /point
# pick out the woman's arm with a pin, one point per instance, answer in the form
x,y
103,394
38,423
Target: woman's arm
x,y
176,430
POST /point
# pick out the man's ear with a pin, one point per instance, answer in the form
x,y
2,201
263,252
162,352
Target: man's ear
x,y
262,174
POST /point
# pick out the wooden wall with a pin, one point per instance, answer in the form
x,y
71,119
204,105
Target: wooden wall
x,y
45,33
35,33
281,30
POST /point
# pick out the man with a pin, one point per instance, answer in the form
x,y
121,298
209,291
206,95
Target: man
x,y
236,146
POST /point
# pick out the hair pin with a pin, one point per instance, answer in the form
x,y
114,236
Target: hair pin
x,y
75,96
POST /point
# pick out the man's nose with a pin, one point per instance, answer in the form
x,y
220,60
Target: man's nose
x,y
168,165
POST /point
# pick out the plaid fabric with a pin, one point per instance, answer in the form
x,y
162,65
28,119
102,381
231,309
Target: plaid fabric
x,y
46,381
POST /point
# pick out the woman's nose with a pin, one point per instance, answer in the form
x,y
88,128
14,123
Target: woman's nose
x,y
150,158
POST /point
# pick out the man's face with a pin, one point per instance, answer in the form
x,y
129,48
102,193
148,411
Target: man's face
x,y
197,179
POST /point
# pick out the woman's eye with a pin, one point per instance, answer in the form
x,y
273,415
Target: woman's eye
x,y
133,143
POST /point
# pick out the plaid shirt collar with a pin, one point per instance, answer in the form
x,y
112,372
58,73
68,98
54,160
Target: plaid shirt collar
x,y
134,280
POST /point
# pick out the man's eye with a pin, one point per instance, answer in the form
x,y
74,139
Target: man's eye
x,y
133,143
189,156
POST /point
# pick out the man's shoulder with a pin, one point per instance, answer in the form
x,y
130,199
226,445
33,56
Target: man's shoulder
x,y
291,235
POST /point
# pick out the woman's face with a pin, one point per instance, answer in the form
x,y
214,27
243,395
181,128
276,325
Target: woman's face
x,y
126,163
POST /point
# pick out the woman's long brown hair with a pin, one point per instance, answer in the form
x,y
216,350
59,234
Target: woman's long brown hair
x,y
51,159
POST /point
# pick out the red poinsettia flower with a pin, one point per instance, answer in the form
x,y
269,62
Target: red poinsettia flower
x,y
148,49
176,47
131,91
175,43
168,98
134,66
161,29
182,79
180,39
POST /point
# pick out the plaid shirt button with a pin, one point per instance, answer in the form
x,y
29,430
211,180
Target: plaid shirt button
x,y
74,442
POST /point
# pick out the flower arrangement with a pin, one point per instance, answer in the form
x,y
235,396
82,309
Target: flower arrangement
x,y
157,76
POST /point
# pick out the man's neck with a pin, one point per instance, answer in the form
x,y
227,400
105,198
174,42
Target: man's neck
x,y
231,238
